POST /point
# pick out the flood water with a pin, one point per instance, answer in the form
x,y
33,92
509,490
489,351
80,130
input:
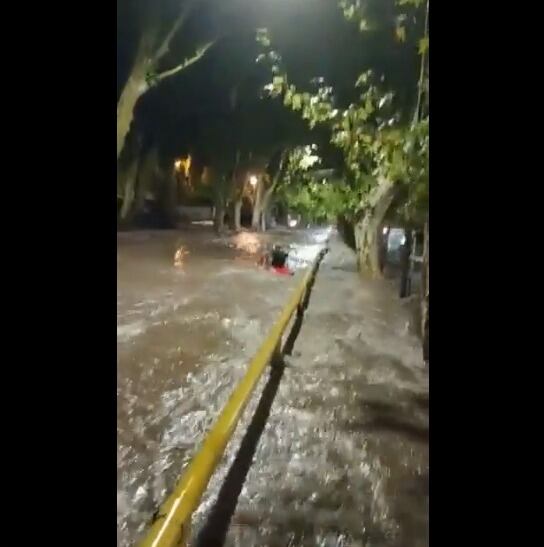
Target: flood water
x,y
343,458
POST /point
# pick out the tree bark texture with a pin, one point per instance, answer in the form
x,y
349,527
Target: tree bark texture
x,y
367,230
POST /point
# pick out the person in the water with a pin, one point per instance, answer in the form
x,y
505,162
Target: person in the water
x,y
276,260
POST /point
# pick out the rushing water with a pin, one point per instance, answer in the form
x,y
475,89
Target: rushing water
x,y
343,457
184,336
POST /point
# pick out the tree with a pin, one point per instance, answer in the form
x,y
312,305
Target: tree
x,y
266,186
232,74
252,138
127,175
153,45
219,154
141,174
300,184
126,188
383,150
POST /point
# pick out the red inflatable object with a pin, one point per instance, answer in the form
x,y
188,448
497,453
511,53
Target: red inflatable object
x,y
282,270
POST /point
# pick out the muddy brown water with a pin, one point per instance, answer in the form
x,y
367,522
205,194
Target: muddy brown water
x,y
343,458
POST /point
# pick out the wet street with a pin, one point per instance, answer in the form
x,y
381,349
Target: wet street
x,y
343,456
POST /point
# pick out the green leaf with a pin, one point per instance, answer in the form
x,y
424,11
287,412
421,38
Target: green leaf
x,y
382,102
288,98
423,45
278,81
415,3
297,101
151,78
323,109
349,12
401,33
369,106
364,25
363,78
262,37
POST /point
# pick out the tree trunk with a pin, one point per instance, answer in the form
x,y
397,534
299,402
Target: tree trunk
x,y
220,201
263,197
367,230
219,216
237,189
257,206
135,87
148,175
265,205
128,200
238,214
256,219
406,266
425,295
129,190
270,191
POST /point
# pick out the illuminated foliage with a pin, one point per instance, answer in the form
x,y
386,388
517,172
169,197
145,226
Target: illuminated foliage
x,y
377,145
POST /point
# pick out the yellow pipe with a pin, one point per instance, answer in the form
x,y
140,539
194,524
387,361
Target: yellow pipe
x,y
170,527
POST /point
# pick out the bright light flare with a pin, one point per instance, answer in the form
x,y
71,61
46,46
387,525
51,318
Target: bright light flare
x,y
253,180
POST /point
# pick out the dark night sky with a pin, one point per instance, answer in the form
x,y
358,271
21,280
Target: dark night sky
x,y
312,36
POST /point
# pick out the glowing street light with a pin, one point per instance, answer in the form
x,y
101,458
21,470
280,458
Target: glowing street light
x,y
253,180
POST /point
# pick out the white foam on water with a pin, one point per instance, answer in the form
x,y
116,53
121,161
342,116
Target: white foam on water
x,y
130,330
301,256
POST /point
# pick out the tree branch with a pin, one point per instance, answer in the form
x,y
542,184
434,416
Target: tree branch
x,y
200,52
417,114
145,46
164,48
376,194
